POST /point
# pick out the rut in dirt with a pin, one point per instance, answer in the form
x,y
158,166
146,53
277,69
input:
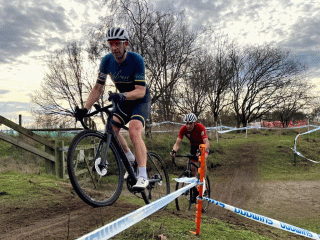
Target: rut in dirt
x,y
238,184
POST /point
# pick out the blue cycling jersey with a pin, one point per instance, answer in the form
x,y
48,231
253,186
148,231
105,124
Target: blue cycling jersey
x,y
126,75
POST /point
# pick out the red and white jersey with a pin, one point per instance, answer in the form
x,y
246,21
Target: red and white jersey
x,y
196,136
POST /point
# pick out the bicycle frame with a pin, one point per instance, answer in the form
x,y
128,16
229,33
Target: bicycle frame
x,y
111,136
190,163
190,196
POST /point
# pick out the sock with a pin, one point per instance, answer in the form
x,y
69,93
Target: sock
x,y
130,157
143,172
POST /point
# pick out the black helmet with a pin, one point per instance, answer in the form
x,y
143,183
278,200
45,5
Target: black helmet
x,y
117,33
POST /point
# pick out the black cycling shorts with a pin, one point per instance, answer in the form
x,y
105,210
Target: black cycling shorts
x,y
127,111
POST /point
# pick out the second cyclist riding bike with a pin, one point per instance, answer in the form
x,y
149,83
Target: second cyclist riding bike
x,y
184,201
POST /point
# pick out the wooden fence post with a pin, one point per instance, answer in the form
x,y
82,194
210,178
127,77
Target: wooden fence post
x,y
59,164
49,165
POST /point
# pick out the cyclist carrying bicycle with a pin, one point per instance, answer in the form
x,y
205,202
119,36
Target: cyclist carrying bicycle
x,y
197,135
127,71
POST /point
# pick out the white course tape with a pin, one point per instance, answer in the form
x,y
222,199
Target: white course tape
x,y
294,149
265,220
300,155
186,180
130,219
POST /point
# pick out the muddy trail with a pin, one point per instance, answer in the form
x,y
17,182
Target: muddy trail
x,y
62,215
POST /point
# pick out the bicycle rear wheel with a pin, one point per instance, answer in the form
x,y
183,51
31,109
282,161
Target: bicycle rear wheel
x,y
159,184
85,152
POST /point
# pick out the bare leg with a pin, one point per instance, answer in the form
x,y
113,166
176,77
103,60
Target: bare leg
x,y
135,131
122,141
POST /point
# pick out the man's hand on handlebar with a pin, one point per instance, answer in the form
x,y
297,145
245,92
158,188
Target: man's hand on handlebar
x,y
80,113
198,153
173,153
117,97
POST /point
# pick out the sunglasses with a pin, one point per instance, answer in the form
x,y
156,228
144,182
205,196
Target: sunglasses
x,y
115,43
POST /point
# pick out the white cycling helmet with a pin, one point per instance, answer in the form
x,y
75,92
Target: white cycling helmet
x,y
190,117
117,33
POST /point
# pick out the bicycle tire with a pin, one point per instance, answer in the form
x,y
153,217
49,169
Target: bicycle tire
x,y
94,189
157,171
185,200
207,192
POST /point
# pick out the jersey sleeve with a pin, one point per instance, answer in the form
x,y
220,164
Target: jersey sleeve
x,y
139,77
203,132
103,72
182,132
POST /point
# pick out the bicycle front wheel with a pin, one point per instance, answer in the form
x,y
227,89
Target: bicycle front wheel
x,y
183,202
159,184
206,193
188,199
96,188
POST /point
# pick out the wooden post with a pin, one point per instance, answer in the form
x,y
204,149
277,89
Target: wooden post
x,y
49,165
59,164
20,120
217,136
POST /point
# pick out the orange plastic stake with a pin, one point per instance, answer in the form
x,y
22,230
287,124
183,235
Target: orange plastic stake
x,y
201,171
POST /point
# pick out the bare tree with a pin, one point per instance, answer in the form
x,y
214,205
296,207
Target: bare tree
x,y
192,92
292,99
168,60
260,74
222,72
67,82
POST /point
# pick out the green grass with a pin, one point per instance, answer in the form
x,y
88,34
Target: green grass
x,y
6,149
16,186
210,229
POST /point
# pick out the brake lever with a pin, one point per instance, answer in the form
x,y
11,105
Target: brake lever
x,y
97,107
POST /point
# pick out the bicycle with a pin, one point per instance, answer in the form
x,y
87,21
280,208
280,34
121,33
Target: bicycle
x,y
96,163
184,201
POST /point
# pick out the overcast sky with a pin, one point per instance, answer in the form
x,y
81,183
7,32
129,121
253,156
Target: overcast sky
x,y
31,29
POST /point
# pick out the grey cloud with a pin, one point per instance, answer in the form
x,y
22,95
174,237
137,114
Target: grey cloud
x,y
3,91
24,24
12,107
217,13
304,39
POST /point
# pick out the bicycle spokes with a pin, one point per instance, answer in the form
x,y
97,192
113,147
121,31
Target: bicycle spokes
x,y
96,178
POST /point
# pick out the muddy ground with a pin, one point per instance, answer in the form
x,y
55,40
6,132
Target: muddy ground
x,y
62,215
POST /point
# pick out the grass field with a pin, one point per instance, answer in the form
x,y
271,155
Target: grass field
x,y
21,181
